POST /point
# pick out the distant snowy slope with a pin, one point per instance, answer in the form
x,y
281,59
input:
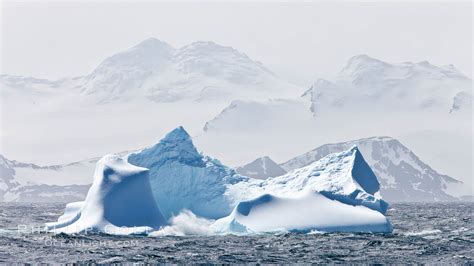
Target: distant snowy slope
x,y
462,102
26,182
124,73
261,168
65,174
369,83
403,176
7,176
154,70
202,71
411,102
186,86
46,193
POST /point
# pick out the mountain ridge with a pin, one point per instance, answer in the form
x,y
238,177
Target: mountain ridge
x,y
384,167
153,69
399,170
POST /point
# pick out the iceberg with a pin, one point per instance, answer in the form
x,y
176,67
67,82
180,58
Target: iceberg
x,y
120,201
183,179
170,184
303,213
339,193
343,176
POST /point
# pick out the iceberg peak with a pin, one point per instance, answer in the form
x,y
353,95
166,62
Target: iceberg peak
x,y
177,135
175,146
179,172
354,148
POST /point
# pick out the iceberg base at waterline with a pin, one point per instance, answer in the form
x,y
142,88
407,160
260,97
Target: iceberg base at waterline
x,y
307,212
176,190
120,201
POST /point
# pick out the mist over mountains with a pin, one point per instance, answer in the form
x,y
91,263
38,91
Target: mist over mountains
x,y
237,110
154,70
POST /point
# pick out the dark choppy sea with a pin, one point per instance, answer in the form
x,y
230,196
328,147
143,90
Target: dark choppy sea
x,y
439,233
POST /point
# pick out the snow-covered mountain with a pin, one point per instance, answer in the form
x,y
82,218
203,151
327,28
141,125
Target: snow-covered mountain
x,y
402,175
412,102
261,168
368,83
399,170
193,83
26,182
200,71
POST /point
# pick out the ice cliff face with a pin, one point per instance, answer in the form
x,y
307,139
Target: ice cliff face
x,y
181,178
403,176
120,201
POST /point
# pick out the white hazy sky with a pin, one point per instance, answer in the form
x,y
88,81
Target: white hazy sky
x,y
300,41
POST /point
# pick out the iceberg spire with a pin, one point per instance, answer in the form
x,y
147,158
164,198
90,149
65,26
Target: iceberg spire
x,y
177,134
176,145
179,172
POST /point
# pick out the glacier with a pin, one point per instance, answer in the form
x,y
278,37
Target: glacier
x,y
176,182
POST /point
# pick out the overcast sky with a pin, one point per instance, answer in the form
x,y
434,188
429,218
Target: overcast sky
x,y
300,41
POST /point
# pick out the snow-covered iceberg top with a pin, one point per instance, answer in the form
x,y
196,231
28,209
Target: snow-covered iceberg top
x,y
343,176
150,189
340,193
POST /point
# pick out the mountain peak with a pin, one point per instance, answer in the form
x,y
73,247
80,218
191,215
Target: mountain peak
x,y
206,45
364,59
261,168
151,43
205,48
362,68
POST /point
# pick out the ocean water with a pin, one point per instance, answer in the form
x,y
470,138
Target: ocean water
x,y
423,233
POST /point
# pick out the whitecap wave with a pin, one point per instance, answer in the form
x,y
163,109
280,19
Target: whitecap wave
x,y
184,224
423,232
